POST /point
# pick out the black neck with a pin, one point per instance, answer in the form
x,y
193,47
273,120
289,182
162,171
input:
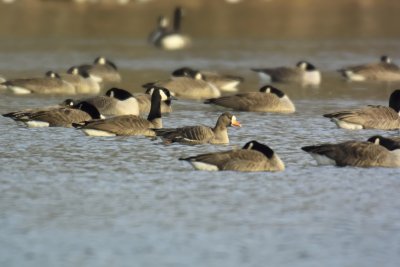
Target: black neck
x,y
155,109
177,19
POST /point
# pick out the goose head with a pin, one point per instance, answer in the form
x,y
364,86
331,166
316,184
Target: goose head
x,y
254,145
53,75
306,66
268,89
227,119
385,142
394,101
118,93
386,59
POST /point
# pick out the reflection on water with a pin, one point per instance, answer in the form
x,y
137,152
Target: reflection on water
x,y
70,200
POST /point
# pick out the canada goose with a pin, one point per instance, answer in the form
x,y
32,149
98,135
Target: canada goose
x,y
391,143
354,153
16,115
253,157
370,117
144,101
102,70
83,82
115,102
50,84
61,117
172,39
224,82
188,88
128,124
304,73
268,99
161,30
192,135
384,70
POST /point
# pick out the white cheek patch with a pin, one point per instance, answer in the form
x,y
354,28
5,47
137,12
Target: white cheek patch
x,y
163,95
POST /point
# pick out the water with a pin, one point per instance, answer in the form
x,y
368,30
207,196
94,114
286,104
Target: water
x,y
71,200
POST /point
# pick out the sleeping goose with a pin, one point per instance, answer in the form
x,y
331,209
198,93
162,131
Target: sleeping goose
x,y
384,70
128,124
370,117
50,84
304,73
253,157
81,80
354,153
15,115
61,117
224,82
192,135
115,102
391,143
144,101
102,70
171,39
188,88
268,99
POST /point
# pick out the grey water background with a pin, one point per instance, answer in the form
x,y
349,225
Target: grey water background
x,y
70,200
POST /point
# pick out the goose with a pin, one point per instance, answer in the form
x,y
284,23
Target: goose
x,y
144,101
391,143
115,102
188,88
60,117
253,157
224,82
16,115
50,84
354,153
304,73
102,70
128,124
268,99
370,117
172,39
83,82
385,70
192,135
161,30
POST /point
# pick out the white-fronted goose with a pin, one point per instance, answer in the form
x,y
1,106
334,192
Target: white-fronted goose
x,y
224,82
354,153
60,117
102,70
304,73
370,117
50,84
253,157
128,124
384,70
201,134
268,99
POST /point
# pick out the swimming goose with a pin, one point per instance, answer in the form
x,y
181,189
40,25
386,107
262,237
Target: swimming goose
x,y
102,70
391,143
50,84
144,101
83,82
188,88
192,135
304,73
115,102
370,117
354,153
384,70
268,99
61,117
15,115
128,124
173,39
253,157
224,82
